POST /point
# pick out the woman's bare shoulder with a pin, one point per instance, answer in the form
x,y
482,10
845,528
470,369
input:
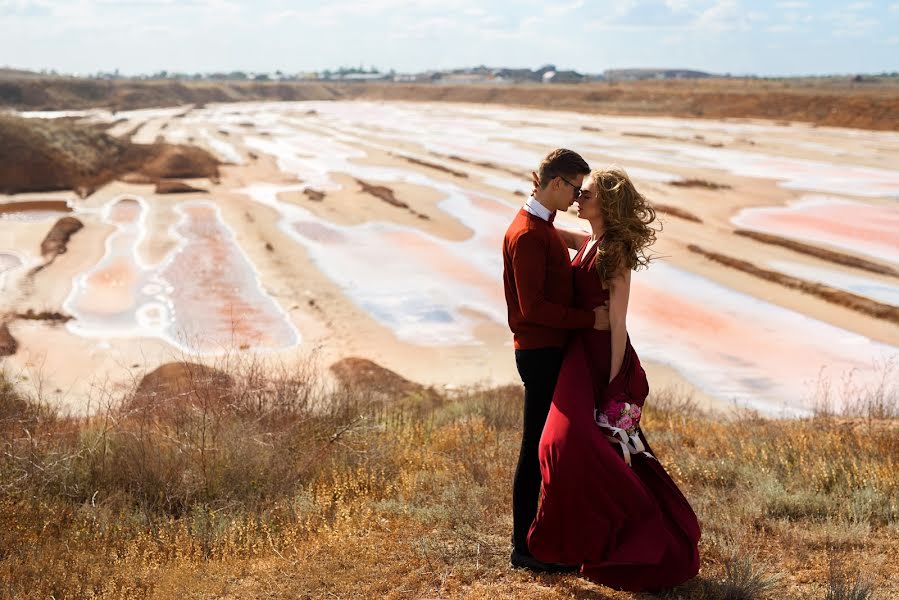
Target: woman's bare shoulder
x,y
621,278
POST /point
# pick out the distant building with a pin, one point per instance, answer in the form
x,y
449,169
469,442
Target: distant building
x,y
427,77
641,74
465,78
517,75
360,77
562,77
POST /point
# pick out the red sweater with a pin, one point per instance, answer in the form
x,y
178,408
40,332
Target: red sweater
x,y
538,280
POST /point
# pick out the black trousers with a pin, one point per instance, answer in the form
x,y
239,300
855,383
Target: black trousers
x,y
539,370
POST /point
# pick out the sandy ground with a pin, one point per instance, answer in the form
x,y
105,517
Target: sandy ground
x,y
415,284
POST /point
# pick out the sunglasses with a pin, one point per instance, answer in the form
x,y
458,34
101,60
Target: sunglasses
x,y
575,189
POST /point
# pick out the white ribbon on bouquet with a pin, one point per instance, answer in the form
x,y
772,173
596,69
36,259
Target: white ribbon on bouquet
x,y
630,444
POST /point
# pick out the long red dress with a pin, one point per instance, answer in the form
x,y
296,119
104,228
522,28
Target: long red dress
x,y
629,527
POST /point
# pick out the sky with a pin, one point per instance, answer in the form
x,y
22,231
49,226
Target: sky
x,y
763,37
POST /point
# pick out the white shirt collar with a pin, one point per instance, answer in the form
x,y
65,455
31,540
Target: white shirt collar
x,y
534,207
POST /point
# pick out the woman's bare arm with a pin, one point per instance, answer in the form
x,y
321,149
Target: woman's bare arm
x,y
619,293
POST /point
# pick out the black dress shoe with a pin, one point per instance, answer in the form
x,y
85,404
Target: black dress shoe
x,y
521,560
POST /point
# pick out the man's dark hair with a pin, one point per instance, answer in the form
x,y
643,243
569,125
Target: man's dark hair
x,y
561,161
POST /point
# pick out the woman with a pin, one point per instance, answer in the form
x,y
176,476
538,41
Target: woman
x,y
607,503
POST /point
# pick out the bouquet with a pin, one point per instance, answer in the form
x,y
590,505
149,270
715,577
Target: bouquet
x,y
620,413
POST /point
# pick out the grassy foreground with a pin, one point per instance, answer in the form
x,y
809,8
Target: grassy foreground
x,y
249,483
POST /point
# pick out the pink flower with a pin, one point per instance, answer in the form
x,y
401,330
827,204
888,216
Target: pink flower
x,y
614,409
620,412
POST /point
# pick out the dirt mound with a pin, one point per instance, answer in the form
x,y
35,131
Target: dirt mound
x,y
40,155
838,102
180,385
389,196
431,165
700,183
314,195
166,161
483,163
839,258
167,186
639,134
59,93
381,192
51,316
8,344
57,238
365,374
676,211
842,298
35,206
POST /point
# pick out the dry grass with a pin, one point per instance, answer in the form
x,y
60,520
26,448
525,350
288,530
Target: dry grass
x,y
261,482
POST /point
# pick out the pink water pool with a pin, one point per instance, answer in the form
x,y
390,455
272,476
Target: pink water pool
x,y
204,297
854,226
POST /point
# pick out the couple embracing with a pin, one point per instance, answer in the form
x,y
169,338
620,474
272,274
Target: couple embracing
x,y
606,507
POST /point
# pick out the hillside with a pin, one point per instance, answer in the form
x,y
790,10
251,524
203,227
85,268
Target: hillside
x,y
66,93
835,102
39,155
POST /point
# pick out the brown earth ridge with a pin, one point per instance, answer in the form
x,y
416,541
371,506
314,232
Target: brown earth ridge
x,y
828,101
39,155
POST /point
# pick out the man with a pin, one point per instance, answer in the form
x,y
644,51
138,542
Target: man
x,y
538,284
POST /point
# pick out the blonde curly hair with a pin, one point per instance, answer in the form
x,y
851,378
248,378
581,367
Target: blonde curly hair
x,y
628,218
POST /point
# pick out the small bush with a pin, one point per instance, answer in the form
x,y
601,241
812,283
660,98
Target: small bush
x,y
245,479
842,586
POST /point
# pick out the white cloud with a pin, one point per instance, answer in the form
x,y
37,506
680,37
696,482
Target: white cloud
x,y
679,5
24,8
725,15
557,10
849,22
420,34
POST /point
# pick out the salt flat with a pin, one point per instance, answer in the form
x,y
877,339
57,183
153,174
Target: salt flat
x,y
374,230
